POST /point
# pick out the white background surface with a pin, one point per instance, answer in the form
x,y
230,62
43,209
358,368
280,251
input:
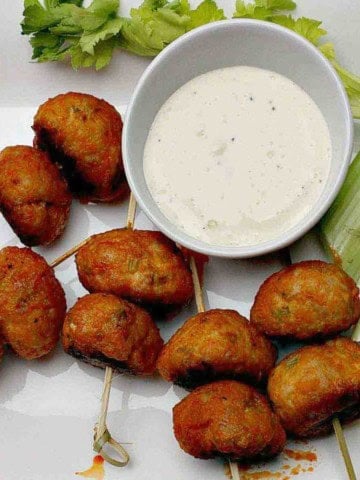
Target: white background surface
x,y
48,407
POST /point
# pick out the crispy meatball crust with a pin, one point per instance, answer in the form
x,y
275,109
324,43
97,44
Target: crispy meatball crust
x,y
217,344
34,198
83,134
142,266
306,300
105,330
32,303
313,384
228,419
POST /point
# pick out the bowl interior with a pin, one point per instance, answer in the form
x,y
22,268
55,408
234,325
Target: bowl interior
x,y
224,44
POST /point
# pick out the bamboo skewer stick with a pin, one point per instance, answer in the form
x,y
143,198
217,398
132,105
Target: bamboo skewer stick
x,y
72,251
338,428
68,254
199,299
102,435
339,433
343,448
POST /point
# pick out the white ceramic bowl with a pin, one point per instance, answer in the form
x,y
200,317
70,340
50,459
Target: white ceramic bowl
x,y
223,44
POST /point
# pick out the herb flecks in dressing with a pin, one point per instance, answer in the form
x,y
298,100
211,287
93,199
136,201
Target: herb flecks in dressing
x,y
237,156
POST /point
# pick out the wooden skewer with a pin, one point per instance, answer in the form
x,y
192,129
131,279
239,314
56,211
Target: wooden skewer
x,y
343,448
72,251
339,432
199,299
102,435
68,254
338,428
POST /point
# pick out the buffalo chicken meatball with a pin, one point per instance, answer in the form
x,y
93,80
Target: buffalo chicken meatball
x,y
34,198
217,344
104,330
227,419
142,266
32,303
306,300
315,383
83,134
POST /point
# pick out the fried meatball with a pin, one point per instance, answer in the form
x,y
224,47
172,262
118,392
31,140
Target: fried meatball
x,y
32,303
34,198
309,299
105,330
217,344
144,267
228,419
83,134
313,384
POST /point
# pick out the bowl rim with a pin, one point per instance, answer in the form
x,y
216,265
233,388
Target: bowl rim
x,y
284,239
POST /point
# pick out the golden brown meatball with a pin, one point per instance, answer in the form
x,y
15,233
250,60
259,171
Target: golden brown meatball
x,y
228,419
217,344
309,299
105,330
83,134
313,384
142,266
34,198
32,303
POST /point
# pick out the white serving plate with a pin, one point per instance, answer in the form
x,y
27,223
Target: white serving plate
x,y
48,408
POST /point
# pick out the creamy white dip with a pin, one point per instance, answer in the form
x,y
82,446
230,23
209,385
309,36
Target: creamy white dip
x,y
237,156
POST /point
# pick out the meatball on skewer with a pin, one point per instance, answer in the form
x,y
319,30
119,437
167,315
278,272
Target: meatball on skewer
x,y
143,267
32,303
312,385
306,300
216,344
34,198
227,419
83,134
106,331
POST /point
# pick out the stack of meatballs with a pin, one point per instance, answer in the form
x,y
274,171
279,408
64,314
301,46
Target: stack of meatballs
x,y
250,404
77,152
241,404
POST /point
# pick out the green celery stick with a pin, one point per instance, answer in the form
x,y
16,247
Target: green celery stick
x,y
340,227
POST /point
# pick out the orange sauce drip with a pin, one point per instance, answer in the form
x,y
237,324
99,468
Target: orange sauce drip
x,y
307,455
296,470
96,471
286,472
262,475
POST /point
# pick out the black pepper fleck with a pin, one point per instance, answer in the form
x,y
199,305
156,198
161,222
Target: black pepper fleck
x,y
273,109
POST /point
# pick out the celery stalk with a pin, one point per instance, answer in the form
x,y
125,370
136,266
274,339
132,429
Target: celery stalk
x,y
340,227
